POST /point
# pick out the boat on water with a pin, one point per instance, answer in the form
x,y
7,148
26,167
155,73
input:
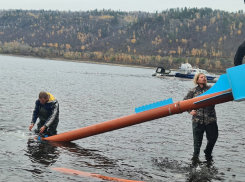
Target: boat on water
x,y
160,71
187,71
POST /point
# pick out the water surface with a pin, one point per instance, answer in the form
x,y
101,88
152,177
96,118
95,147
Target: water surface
x,y
88,94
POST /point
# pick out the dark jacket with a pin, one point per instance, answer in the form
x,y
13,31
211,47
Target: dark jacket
x,y
52,108
206,114
239,54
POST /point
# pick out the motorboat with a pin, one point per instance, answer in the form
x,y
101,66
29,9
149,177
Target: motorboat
x,y
187,71
160,71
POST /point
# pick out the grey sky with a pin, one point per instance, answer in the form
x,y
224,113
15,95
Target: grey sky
x,y
123,5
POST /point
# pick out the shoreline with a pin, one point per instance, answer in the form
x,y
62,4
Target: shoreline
x,y
81,61
96,62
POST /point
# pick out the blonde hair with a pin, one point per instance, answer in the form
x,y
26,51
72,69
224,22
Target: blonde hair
x,y
43,95
197,77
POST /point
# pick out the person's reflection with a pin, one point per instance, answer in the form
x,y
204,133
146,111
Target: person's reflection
x,y
47,153
42,152
85,155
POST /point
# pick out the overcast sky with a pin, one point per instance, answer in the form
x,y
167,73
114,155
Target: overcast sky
x,y
122,5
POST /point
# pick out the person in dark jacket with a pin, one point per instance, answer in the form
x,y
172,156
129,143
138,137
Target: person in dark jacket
x,y
239,54
47,110
203,119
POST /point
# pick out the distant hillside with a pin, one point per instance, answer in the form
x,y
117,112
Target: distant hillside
x,y
202,37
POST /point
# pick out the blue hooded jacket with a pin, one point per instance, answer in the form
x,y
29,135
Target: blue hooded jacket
x,y
52,108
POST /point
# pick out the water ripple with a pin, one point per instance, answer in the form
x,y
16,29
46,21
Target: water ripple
x,y
88,94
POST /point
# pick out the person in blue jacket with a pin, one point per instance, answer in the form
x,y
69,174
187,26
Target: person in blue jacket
x,y
240,53
47,110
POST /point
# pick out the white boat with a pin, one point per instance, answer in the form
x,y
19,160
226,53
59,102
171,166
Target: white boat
x,y
187,71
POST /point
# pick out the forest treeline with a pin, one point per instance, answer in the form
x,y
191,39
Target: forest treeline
x,y
204,37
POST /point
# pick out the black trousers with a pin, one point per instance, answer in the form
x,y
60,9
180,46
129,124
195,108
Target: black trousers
x,y
51,130
211,135
43,116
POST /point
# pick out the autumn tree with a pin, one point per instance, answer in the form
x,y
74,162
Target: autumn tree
x,y
68,46
204,28
56,45
194,52
179,51
197,28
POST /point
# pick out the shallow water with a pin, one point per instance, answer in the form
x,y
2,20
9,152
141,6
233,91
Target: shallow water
x,y
158,150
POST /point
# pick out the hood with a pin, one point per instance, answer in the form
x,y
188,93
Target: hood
x,y
51,97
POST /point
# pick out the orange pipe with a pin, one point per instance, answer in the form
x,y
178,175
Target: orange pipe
x,y
93,175
175,108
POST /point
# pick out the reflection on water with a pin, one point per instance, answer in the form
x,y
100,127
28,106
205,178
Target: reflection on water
x,y
154,151
85,155
42,152
194,171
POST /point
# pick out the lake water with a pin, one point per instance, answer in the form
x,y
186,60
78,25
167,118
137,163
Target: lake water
x,y
154,151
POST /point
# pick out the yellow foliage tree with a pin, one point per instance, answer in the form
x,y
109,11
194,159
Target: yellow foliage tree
x,y
184,41
218,16
179,51
158,57
212,20
194,52
205,53
240,25
111,50
128,49
68,46
170,59
199,52
197,28
133,40
133,34
56,45
197,15
197,61
172,52
204,28
217,64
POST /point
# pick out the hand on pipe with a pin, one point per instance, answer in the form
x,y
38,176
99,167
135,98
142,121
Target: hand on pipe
x,y
193,112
